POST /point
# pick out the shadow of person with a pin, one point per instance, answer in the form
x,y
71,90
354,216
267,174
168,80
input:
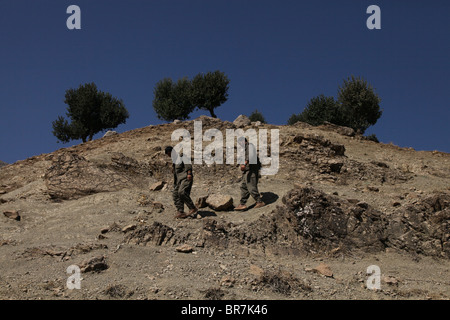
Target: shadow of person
x,y
206,213
269,197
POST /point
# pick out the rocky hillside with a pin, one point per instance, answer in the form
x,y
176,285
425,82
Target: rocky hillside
x,y
338,204
2,164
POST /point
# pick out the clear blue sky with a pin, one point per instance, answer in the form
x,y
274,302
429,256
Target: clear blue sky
x,y
277,54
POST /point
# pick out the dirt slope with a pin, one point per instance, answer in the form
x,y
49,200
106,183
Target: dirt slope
x,y
337,200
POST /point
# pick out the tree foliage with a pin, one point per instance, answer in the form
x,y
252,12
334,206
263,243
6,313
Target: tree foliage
x,y
90,111
177,100
359,104
210,90
357,107
318,110
257,116
173,100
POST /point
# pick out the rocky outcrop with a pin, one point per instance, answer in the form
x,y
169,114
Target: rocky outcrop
x,y
242,121
311,221
422,227
71,176
345,131
155,234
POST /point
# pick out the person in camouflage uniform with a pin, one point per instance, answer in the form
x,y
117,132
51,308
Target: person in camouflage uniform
x,y
250,176
182,184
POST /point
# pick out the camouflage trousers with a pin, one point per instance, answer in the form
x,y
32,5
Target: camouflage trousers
x,y
249,186
182,195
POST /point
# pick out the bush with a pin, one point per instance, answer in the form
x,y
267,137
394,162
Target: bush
x,y
358,105
372,137
257,116
294,119
317,111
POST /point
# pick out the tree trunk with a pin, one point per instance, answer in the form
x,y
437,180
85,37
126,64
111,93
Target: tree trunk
x,y
211,111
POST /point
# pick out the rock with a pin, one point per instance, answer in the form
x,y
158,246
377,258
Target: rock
x,y
156,234
219,202
256,123
373,189
185,248
95,264
242,121
158,206
390,281
201,202
335,166
3,192
14,215
345,131
256,271
324,270
104,230
109,133
227,281
380,164
363,205
128,228
157,186
339,149
176,121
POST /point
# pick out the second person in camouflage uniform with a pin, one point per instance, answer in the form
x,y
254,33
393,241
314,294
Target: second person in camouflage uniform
x,y
182,184
250,176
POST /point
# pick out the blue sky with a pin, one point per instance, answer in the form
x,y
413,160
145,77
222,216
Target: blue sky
x,y
277,54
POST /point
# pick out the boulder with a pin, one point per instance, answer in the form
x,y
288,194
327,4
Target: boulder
x,y
95,264
185,248
201,202
128,228
219,202
242,121
324,270
14,215
157,186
